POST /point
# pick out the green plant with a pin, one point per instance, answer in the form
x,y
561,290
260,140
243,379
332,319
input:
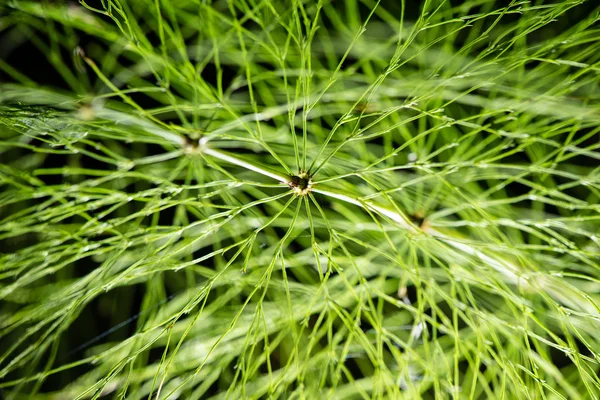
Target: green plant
x,y
296,199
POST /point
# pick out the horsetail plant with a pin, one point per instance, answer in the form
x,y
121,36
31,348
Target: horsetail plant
x,y
299,199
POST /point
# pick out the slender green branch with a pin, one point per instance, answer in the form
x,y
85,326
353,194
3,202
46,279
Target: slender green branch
x,y
242,163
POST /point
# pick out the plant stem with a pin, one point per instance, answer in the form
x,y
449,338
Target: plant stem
x,y
512,273
244,164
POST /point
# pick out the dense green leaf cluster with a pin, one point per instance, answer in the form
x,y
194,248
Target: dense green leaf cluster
x,y
300,199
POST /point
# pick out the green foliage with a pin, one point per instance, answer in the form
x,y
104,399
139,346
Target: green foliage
x,y
300,199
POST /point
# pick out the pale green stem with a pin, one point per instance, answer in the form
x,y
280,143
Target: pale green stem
x,y
512,273
507,270
367,204
244,164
